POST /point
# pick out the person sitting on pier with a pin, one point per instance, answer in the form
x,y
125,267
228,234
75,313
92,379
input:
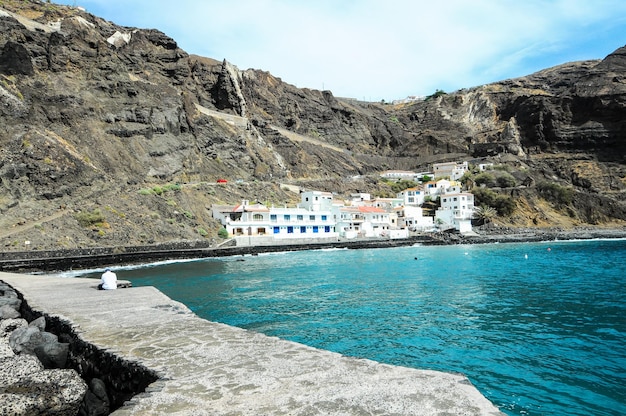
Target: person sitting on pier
x,y
108,280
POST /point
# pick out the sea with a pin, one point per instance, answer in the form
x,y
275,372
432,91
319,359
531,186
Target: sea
x,y
538,328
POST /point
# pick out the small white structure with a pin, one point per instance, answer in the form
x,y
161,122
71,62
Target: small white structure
x,y
456,211
452,170
360,199
398,175
387,203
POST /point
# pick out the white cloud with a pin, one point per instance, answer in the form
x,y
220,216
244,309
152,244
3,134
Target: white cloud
x,y
382,50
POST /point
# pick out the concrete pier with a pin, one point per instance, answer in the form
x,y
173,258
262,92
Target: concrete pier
x,y
207,368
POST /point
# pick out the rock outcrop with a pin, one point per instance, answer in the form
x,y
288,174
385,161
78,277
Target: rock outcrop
x,y
114,136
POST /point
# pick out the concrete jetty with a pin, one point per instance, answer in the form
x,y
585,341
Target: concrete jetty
x,y
208,368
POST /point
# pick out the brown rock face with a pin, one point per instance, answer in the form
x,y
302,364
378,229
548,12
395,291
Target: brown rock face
x,y
100,117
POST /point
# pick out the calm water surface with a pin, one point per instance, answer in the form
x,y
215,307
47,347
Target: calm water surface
x,y
539,329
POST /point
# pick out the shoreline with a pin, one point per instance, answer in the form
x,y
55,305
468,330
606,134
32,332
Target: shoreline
x,y
70,259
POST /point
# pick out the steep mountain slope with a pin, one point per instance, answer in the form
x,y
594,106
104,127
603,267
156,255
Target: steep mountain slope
x,y
115,136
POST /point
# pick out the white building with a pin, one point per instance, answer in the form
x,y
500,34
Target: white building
x,y
436,188
265,225
387,203
412,196
360,199
316,200
398,175
413,219
452,170
456,211
362,221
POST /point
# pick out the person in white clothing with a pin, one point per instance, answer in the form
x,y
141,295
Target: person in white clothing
x,y
108,280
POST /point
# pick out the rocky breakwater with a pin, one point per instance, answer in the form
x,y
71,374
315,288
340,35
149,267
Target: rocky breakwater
x,y
33,379
54,373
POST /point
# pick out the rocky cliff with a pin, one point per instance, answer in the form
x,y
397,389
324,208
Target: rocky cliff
x,y
114,136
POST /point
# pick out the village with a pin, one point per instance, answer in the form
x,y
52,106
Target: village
x,y
320,217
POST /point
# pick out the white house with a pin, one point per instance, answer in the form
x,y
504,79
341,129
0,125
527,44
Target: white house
x,y
387,203
436,188
456,211
412,196
413,219
362,221
453,170
316,200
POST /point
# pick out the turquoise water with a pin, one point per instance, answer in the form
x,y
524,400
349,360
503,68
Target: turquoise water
x,y
539,329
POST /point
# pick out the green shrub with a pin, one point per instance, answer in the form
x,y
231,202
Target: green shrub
x,y
402,184
486,179
171,187
437,93
222,233
202,232
506,180
505,205
555,193
88,219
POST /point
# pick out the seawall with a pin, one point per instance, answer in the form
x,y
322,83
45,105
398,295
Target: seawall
x,y
207,368
68,259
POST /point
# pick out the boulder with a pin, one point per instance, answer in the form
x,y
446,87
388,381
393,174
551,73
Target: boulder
x,y
5,349
24,340
96,401
14,303
16,368
7,326
52,354
27,389
39,323
8,312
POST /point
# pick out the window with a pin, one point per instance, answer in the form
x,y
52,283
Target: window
x,y
311,217
327,229
455,198
289,230
316,229
287,217
302,230
276,230
273,217
258,217
300,217
324,218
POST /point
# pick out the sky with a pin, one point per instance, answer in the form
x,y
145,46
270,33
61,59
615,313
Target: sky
x,y
377,50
